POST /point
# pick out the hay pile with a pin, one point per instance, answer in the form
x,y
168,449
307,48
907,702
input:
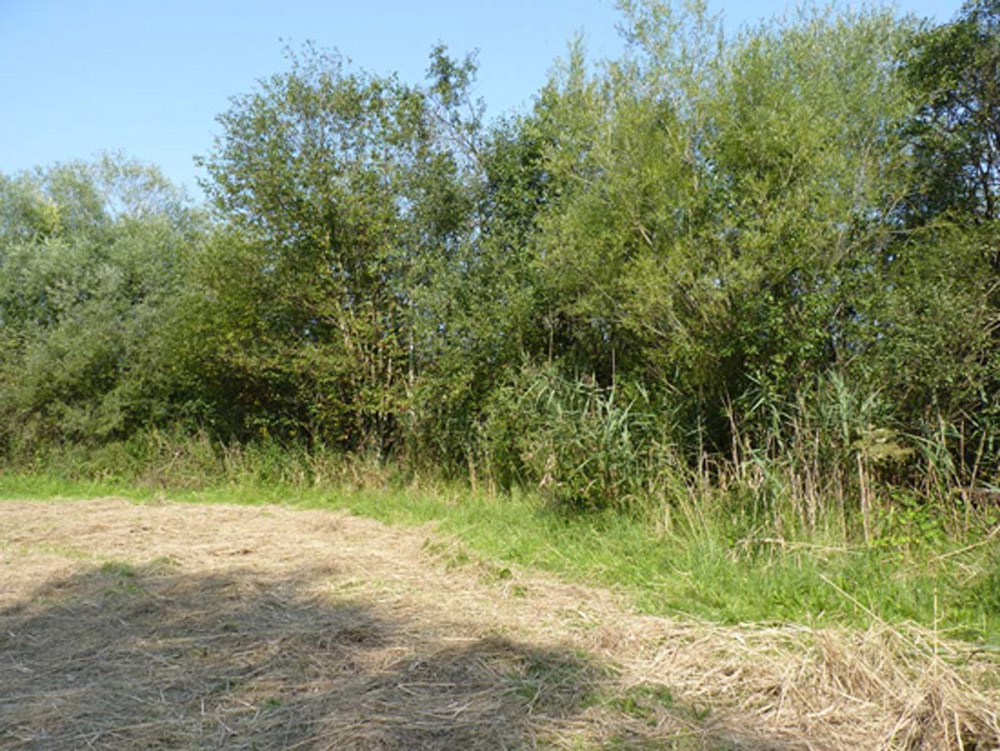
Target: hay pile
x,y
183,627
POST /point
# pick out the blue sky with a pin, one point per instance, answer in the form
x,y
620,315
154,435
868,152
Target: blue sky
x,y
149,78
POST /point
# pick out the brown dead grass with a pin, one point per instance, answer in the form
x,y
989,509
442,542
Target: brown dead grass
x,y
184,627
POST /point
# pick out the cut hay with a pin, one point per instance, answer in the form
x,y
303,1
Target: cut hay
x,y
825,689
183,627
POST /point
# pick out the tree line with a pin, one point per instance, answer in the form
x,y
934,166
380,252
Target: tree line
x,y
765,265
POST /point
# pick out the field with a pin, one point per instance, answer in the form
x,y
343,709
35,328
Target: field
x,y
161,625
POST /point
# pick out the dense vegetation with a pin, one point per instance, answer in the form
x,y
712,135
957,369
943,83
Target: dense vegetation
x,y
748,284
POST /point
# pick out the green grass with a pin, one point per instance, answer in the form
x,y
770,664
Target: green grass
x,y
708,575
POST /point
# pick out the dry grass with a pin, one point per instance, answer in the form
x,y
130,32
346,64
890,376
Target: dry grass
x,y
185,627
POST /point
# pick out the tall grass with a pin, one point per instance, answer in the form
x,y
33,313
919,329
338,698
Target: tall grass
x,y
178,460
828,463
579,445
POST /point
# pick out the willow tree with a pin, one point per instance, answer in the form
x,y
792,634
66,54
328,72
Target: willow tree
x,y
724,199
92,264
336,186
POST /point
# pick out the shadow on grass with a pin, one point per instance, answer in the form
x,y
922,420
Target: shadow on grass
x,y
151,657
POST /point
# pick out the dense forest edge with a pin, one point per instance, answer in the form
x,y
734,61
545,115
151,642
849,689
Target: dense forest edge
x,y
717,321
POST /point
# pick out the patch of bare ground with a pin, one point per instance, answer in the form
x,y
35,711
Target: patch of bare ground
x,y
183,627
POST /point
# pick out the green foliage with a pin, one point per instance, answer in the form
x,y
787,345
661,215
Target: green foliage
x,y
933,338
339,188
955,70
985,592
727,199
582,446
92,261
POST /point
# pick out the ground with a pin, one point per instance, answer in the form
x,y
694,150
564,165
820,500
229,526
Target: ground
x,y
169,626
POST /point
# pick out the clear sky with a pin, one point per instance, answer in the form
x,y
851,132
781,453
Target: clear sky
x,y
148,78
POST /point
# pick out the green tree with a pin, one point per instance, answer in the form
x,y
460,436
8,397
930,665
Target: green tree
x,y
92,260
955,70
339,186
722,203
